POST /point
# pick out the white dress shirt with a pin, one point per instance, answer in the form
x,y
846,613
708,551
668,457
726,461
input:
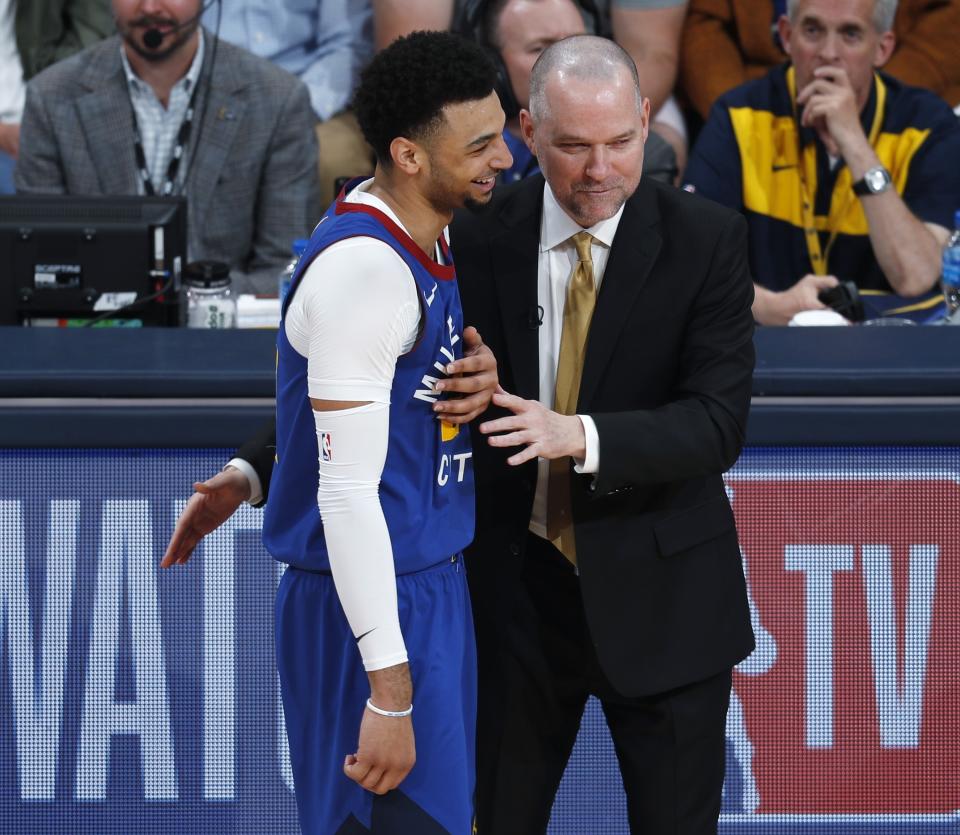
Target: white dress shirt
x,y
160,125
557,258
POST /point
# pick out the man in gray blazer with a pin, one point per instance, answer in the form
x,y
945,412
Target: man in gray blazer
x,y
165,108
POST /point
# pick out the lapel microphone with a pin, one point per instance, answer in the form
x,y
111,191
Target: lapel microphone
x,y
535,317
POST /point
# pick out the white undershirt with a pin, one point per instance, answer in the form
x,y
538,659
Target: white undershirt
x,y
555,263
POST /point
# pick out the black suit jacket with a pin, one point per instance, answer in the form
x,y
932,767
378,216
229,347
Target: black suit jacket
x,y
667,380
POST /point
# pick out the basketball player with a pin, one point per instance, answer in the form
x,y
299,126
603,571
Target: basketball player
x,y
372,496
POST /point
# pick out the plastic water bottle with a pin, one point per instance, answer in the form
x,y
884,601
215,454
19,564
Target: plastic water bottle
x,y
950,275
285,277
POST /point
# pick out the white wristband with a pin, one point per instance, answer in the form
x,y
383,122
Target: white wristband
x,y
395,713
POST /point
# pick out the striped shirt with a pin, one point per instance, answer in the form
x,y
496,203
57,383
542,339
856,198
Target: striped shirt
x,y
160,125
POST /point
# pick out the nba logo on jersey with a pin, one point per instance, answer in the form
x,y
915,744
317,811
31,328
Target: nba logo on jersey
x,y
326,447
847,709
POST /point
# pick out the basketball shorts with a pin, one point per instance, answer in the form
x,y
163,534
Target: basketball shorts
x,y
324,690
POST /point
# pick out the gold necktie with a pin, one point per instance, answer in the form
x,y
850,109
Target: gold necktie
x,y
577,313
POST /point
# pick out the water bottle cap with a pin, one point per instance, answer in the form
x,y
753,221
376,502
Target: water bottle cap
x,y
207,274
300,246
956,219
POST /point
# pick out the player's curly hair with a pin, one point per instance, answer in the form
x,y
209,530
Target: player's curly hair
x,y
406,86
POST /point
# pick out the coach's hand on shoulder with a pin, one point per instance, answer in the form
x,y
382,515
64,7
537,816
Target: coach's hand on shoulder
x,y
386,751
213,502
474,377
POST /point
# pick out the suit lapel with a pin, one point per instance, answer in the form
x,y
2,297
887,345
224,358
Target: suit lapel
x,y
632,256
106,118
515,248
214,135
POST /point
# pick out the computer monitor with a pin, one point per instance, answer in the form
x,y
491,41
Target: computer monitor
x,y
77,258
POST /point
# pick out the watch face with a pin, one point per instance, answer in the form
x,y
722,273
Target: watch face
x,y
877,179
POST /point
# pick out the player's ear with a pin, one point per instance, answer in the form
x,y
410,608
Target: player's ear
x,y
407,155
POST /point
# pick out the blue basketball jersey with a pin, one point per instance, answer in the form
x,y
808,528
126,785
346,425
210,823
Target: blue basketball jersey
x,y
426,489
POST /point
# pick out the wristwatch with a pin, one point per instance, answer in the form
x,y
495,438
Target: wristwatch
x,y
875,181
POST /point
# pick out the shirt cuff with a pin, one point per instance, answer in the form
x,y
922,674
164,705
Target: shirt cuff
x,y
256,490
591,461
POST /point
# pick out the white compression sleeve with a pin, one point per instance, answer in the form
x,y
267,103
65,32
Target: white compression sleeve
x,y
356,310
353,448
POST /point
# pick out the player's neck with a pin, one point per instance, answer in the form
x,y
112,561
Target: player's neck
x,y
421,220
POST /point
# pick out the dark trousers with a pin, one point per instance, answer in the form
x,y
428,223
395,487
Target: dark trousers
x,y
536,674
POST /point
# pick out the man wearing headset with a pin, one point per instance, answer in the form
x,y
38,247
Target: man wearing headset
x,y
166,108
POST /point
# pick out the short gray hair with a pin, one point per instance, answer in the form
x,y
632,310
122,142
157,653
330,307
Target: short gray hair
x,y
579,56
884,12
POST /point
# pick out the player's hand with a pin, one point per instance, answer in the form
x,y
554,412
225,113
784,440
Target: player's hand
x,y
474,376
386,751
385,754
771,308
214,501
544,433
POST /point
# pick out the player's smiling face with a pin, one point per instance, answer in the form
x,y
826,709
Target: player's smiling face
x,y
467,154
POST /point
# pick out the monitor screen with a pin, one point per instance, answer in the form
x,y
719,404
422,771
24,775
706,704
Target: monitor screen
x,y
73,259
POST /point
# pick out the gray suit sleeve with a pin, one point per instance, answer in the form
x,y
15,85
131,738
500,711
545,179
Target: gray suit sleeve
x,y
39,168
288,196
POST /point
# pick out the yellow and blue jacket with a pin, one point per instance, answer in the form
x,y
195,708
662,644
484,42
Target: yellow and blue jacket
x,y
803,217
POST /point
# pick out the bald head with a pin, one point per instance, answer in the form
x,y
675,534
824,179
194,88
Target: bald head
x,y
586,125
584,58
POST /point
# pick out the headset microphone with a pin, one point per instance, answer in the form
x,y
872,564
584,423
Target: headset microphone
x,y
153,37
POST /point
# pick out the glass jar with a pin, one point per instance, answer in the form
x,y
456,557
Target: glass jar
x,y
209,295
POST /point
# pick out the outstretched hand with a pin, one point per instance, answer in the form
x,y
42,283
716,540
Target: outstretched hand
x,y
213,502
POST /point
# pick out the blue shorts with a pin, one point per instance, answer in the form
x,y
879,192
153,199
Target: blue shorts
x,y
325,688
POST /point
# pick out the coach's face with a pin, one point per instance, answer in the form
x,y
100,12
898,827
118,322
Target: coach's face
x,y
589,143
467,154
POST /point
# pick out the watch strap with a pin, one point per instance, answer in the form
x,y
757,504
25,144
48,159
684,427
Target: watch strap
x,y
862,188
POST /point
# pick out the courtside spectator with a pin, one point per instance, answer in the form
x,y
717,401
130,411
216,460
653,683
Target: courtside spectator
x,y
728,42
842,171
164,108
